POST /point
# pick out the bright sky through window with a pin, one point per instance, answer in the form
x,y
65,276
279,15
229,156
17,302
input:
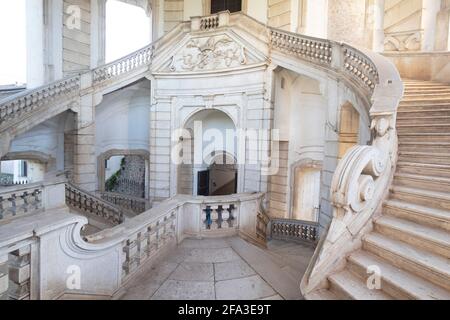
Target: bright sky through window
x,y
13,39
127,29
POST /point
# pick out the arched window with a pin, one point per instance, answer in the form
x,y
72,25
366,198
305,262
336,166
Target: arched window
x,y
127,29
222,5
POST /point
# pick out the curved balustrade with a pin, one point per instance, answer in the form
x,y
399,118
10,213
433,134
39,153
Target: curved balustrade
x,y
133,204
85,202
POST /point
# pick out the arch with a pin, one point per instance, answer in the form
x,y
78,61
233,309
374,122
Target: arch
x,y
101,165
191,174
349,122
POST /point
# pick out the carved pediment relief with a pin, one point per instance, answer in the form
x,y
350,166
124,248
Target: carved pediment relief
x,y
217,52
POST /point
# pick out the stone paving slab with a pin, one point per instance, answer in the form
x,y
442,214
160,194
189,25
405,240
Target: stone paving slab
x,y
216,269
250,288
185,290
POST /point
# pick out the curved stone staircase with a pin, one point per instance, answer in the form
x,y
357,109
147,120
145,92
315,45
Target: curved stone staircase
x,y
410,241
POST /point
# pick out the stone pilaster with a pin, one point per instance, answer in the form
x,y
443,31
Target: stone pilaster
x,y
160,143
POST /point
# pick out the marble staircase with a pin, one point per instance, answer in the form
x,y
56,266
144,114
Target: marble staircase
x,y
410,242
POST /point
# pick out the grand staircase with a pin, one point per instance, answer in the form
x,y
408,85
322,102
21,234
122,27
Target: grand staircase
x,y
410,241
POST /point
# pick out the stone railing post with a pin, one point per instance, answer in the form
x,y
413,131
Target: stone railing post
x,y
4,277
224,18
195,23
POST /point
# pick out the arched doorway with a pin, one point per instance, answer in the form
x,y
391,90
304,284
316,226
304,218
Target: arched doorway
x,y
220,178
208,164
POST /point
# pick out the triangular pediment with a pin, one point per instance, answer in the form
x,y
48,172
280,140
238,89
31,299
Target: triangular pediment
x,y
209,52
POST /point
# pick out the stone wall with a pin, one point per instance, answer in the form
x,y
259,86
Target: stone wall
x,y
279,14
173,13
76,41
278,185
347,22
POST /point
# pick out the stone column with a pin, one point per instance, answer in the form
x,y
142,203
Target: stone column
x,y
84,158
430,8
35,43
160,143
378,26
98,32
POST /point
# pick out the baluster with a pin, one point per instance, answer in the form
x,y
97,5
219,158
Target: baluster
x,y
20,273
225,214
215,223
206,217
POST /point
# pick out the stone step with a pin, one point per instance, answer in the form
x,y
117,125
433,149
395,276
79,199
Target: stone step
x,y
396,282
416,213
428,90
422,182
418,100
437,137
322,294
429,147
423,105
404,113
428,127
426,198
423,120
346,285
434,240
435,170
424,264
420,95
424,157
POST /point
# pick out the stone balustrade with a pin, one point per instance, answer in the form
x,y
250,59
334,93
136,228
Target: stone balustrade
x,y
20,201
219,216
87,203
311,49
15,271
127,64
343,58
362,178
129,203
295,230
27,101
109,258
210,22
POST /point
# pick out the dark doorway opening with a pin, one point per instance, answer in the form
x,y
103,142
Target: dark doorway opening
x,y
222,5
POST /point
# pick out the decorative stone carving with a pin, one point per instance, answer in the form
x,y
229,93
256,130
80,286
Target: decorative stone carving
x,y
202,54
403,41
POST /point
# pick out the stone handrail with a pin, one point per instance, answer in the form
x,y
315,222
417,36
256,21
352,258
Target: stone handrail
x,y
20,200
124,65
108,259
83,201
133,204
29,100
346,60
295,230
362,178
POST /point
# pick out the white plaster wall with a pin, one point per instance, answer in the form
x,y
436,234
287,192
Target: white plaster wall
x,y
257,9
192,8
122,119
46,138
317,18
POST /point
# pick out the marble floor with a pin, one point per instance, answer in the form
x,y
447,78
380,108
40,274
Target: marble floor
x,y
222,269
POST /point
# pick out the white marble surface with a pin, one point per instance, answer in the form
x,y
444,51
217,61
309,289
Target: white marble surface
x,y
211,269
